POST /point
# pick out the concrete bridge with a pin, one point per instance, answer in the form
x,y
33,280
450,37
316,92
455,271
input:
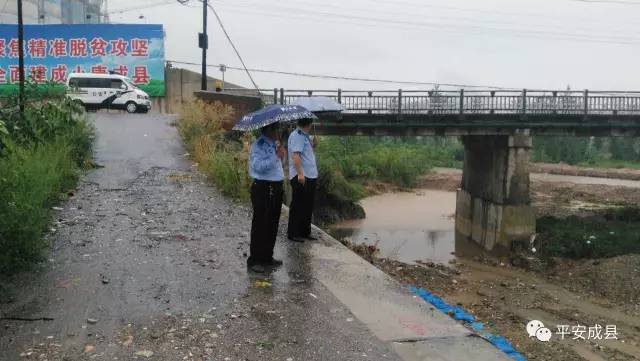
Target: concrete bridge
x,y
493,203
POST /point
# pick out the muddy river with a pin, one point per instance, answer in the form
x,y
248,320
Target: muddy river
x,y
419,225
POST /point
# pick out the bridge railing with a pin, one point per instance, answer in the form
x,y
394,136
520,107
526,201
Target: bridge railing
x,y
401,102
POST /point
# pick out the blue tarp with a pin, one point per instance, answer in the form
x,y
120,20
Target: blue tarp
x,y
460,314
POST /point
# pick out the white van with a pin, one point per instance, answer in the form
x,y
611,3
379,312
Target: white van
x,y
102,91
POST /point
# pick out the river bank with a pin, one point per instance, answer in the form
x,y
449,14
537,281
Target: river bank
x,y
555,290
578,189
556,195
506,298
573,170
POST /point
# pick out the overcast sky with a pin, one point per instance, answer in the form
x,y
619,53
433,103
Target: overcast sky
x,y
543,44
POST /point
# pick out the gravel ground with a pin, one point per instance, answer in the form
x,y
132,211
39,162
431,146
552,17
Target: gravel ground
x,y
505,299
147,261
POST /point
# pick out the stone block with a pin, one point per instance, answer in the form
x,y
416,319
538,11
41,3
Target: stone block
x,y
463,213
518,223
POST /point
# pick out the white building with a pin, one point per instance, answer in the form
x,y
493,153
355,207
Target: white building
x,y
55,12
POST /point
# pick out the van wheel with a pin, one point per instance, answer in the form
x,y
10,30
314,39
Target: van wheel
x,y
132,107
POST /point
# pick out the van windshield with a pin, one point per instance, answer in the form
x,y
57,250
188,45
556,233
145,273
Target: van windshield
x,y
130,83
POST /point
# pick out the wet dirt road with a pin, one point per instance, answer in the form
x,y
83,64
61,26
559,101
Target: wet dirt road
x,y
149,262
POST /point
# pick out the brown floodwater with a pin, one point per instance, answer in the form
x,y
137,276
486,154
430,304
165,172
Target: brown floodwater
x,y
406,226
420,225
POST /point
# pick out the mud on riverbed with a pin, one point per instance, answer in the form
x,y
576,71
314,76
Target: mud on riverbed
x,y
557,291
506,298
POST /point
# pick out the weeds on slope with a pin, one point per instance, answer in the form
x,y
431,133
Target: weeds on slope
x,y
609,233
220,155
345,163
41,156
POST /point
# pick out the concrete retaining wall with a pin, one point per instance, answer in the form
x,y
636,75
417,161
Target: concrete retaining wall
x,y
181,84
241,104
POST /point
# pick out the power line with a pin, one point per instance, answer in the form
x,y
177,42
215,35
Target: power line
x,y
226,34
297,12
439,27
330,17
325,5
423,6
349,78
141,7
617,2
622,2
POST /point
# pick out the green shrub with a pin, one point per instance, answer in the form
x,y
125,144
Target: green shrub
x,y
46,119
347,163
202,129
41,153
332,182
200,119
31,179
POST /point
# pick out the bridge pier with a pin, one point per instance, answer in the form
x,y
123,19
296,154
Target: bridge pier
x,y
493,206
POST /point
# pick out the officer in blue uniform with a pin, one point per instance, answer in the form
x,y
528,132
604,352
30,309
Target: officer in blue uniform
x,y
303,174
265,168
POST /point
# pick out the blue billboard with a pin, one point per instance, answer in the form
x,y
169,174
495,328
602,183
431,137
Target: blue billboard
x,y
52,52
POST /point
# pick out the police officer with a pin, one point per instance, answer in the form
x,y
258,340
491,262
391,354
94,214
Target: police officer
x,y
303,173
265,168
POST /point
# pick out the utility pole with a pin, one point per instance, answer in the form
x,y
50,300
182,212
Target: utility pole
x,y
21,58
203,41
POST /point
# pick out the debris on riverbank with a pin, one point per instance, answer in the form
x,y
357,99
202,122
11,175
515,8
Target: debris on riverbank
x,y
585,290
506,298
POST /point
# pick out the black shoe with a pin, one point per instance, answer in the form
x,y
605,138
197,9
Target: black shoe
x,y
311,238
257,268
296,239
274,263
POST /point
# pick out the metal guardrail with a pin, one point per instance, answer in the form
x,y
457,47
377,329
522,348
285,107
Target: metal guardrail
x,y
535,102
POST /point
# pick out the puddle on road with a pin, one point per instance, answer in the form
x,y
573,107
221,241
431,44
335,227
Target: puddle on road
x,y
406,226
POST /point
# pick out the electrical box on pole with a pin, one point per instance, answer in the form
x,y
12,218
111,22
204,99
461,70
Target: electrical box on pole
x,y
203,42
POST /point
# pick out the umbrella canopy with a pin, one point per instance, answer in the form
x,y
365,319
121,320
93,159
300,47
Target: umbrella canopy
x,y
272,114
319,104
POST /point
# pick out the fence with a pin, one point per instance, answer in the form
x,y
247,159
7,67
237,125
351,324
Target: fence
x,y
469,101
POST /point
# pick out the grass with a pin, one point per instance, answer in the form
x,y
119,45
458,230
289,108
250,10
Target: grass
x,y
345,164
614,232
223,160
229,170
41,156
32,179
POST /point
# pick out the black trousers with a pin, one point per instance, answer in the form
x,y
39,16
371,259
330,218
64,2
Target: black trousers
x,y
266,199
301,210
